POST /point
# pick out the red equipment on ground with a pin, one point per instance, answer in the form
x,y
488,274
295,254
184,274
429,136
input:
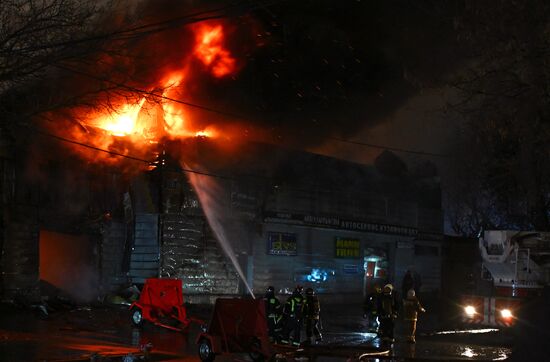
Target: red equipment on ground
x,y
237,325
161,303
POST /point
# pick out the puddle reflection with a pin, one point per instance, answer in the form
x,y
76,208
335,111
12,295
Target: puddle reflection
x,y
468,352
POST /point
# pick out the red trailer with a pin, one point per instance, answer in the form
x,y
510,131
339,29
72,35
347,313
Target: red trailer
x,y
237,325
240,326
161,303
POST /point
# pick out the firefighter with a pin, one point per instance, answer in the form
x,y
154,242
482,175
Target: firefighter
x,y
312,309
273,313
387,312
371,307
411,308
411,280
292,314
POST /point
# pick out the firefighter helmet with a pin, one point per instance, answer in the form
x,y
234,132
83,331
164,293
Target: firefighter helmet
x,y
298,289
411,294
310,292
270,289
388,288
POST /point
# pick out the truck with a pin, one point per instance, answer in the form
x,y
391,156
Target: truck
x,y
515,266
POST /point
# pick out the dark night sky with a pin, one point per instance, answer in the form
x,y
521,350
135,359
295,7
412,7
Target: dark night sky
x,y
318,69
358,70
334,68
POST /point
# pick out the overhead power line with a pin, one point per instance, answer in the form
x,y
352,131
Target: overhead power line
x,y
181,168
114,153
236,115
151,93
191,18
396,149
239,177
63,139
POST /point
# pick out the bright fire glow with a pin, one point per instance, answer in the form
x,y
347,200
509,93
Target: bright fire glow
x,y
121,122
208,132
174,120
136,125
210,50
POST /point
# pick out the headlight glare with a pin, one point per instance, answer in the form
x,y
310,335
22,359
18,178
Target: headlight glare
x,y
470,310
506,313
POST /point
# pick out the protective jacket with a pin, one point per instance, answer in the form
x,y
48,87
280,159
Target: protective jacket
x,y
294,306
411,307
293,311
372,303
312,307
272,306
388,307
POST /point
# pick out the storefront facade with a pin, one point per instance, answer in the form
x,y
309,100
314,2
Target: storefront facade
x,y
337,257
318,222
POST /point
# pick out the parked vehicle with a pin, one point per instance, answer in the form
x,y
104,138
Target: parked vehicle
x,y
515,266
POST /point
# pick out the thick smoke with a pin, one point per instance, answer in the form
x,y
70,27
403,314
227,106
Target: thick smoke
x,y
305,71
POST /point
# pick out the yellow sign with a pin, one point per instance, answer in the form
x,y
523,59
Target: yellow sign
x,y
347,248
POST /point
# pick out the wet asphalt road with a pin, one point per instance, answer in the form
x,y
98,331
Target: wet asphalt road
x,y
78,334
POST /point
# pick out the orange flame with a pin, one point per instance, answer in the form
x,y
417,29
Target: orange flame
x,y
121,122
131,127
210,50
174,116
208,132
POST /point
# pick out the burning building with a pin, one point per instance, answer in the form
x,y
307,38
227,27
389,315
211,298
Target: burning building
x,y
289,217
267,216
138,183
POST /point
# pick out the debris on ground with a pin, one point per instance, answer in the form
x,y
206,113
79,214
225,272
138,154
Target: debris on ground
x,y
124,296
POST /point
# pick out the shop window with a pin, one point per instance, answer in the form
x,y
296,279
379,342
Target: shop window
x,y
281,244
